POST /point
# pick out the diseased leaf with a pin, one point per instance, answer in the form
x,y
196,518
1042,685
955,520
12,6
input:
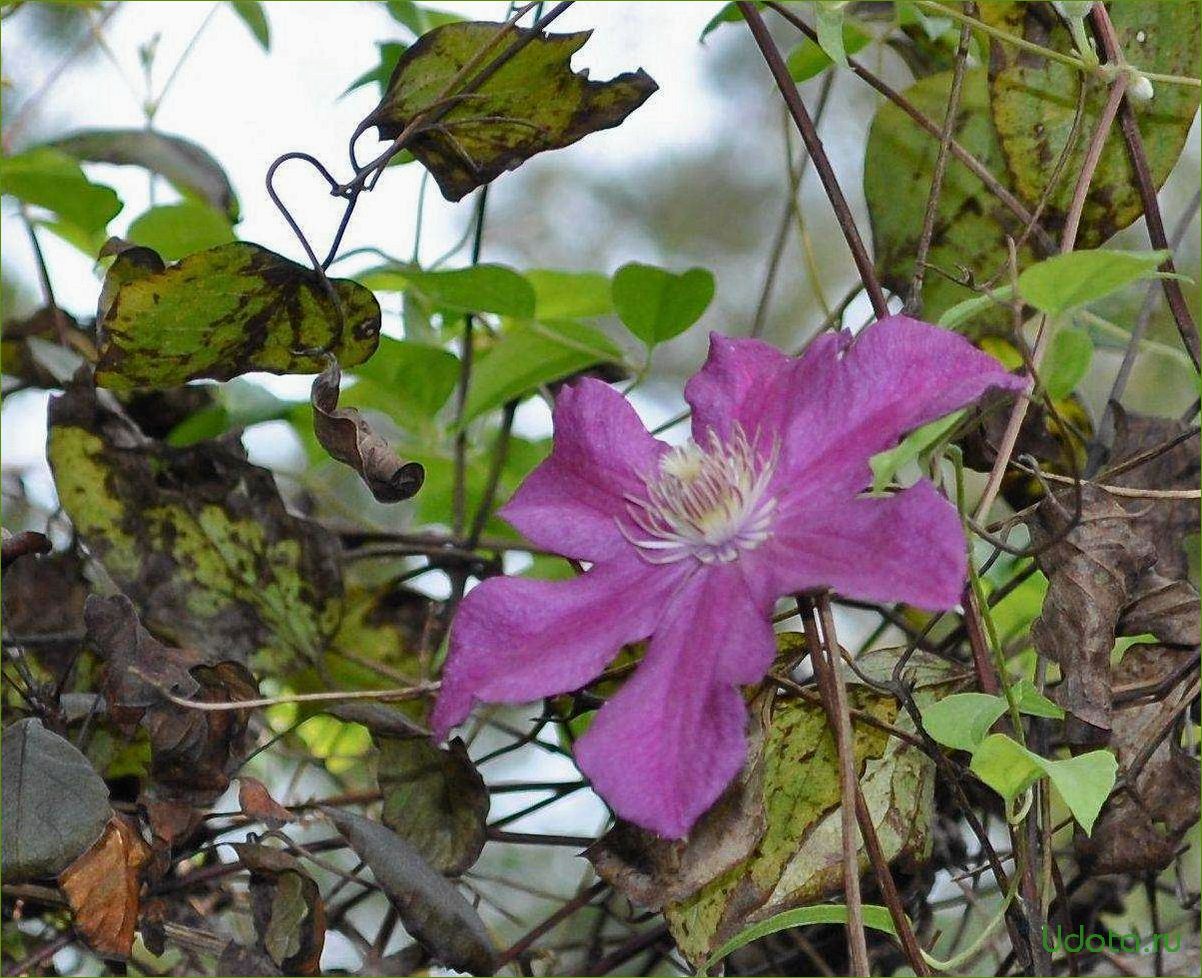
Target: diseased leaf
x,y
187,166
346,435
970,226
289,913
529,354
178,230
798,861
252,14
45,596
197,537
1064,282
383,624
533,103
54,805
51,179
1033,101
103,888
479,288
223,312
656,304
434,798
430,907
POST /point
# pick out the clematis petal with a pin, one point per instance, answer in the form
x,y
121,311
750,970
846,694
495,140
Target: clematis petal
x,y
742,382
515,639
666,746
907,547
855,398
571,502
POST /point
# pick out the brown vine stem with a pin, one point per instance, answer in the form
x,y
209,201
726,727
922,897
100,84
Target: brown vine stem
x,y
1129,125
828,670
524,943
914,298
978,169
1068,239
822,164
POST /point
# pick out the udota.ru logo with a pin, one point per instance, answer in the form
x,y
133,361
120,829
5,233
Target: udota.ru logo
x,y
1129,943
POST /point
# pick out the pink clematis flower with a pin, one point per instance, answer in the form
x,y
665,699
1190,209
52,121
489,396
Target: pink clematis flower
x,y
692,546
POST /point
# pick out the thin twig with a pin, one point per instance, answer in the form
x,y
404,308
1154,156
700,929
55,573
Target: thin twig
x,y
396,694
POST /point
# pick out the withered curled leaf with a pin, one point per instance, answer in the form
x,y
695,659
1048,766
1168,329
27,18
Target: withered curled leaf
x,y
1141,829
256,803
533,103
103,889
347,436
289,913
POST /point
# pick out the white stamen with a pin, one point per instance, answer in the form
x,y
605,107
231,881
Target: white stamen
x,y
707,503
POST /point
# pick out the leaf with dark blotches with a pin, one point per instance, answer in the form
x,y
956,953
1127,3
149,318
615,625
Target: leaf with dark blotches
x,y
1142,832
430,906
103,889
54,805
533,103
197,537
346,435
971,224
1167,522
223,312
45,596
435,798
1033,101
289,913
187,166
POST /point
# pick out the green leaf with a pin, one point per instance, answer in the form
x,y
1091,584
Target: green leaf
x,y
479,288
54,806
252,14
240,404
404,380
434,798
1063,282
176,230
246,578
188,167
223,312
885,465
1067,362
530,354
1033,101
418,18
875,916
390,54
1030,700
533,103
962,720
808,59
977,305
51,179
971,225
1084,781
1006,766
570,295
729,14
829,22
656,305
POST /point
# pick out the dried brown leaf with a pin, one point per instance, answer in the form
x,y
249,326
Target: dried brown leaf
x,y
347,436
102,887
256,803
289,913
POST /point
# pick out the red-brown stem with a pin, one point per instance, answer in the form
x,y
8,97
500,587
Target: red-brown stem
x,y
822,164
824,655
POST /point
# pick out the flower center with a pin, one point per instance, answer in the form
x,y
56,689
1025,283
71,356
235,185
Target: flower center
x,y
710,503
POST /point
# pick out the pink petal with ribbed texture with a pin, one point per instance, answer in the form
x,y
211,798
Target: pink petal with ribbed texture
x,y
571,503
663,749
515,639
907,547
854,398
744,382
